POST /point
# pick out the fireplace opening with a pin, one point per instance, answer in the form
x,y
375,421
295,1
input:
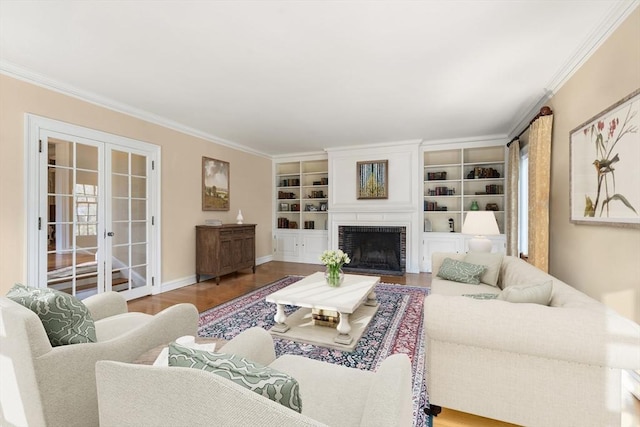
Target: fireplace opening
x,y
375,250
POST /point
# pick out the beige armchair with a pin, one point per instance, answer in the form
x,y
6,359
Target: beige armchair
x,y
55,386
331,395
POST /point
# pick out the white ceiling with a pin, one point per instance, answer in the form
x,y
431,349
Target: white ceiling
x,y
277,77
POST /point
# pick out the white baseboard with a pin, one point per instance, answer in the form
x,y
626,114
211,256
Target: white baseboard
x,y
190,280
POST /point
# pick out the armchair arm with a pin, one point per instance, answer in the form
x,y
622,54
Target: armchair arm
x,y
389,402
105,305
156,396
254,344
589,336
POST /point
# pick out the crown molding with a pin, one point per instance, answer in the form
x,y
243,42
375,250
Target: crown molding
x,y
609,24
465,140
37,79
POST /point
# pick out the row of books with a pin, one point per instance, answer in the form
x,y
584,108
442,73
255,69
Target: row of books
x,y
285,223
433,206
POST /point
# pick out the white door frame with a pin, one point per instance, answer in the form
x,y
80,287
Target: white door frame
x,y
35,178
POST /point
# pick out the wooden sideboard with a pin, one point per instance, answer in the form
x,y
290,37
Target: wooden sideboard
x,y
224,249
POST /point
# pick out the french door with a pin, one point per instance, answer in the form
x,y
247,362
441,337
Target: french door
x,y
96,201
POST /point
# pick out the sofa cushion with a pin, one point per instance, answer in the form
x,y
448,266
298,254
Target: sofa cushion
x,y
266,381
64,317
535,293
460,271
492,261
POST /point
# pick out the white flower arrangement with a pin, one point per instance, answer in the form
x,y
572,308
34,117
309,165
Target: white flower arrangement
x,y
334,259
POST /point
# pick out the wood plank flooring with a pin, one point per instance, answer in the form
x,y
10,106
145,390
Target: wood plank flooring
x,y
206,294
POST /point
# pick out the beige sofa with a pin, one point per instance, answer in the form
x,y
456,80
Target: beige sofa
x,y
528,364
331,395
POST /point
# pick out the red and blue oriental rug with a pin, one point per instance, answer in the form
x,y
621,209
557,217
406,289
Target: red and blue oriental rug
x,y
397,327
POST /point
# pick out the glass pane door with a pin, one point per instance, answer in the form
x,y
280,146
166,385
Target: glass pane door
x,y
72,225
129,221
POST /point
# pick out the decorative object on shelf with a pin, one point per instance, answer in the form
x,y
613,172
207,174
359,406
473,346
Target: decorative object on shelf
x,y
491,207
239,218
480,224
451,225
334,260
323,206
284,207
372,179
295,207
427,225
215,185
474,206
610,143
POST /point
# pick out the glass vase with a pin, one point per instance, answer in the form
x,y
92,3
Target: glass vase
x,y
334,276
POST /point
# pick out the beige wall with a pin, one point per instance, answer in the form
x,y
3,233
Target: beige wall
x,y
181,178
602,261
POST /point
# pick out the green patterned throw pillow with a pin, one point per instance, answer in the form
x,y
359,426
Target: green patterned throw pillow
x,y
266,381
460,271
64,317
481,296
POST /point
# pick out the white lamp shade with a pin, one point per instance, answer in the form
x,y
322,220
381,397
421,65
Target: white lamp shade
x,y
480,223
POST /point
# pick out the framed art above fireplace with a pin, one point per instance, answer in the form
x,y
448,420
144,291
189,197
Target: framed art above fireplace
x,y
372,179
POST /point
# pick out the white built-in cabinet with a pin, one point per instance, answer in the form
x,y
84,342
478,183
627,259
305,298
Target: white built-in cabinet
x,y
301,203
455,178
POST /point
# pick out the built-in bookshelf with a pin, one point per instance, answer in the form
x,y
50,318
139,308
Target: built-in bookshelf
x,y
302,195
301,209
458,180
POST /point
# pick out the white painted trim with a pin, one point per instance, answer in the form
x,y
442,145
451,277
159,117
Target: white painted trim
x,y
466,140
191,280
37,79
394,144
34,164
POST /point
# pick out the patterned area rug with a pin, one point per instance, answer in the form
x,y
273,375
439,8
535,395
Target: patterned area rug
x,y
396,328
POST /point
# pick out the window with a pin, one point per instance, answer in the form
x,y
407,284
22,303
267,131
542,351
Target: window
x,y
86,209
523,202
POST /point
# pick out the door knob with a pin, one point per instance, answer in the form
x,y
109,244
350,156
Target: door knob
x,y
111,234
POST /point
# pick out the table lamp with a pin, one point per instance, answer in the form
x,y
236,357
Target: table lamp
x,y
480,224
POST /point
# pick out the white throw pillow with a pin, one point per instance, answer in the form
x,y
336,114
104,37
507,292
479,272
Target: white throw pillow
x,y
493,262
534,293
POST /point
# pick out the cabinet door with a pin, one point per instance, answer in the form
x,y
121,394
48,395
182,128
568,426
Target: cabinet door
x,y
228,255
286,246
312,247
441,242
248,250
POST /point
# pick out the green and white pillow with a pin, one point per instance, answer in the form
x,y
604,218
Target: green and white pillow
x,y
266,381
493,262
460,271
534,293
483,296
64,317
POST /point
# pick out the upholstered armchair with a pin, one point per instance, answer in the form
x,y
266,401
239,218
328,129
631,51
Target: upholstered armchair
x,y
331,395
55,386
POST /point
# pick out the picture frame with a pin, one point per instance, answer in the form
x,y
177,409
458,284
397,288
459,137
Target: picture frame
x,y
284,207
323,206
604,182
215,185
372,179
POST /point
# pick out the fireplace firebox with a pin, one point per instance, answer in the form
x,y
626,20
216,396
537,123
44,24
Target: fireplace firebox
x,y
375,250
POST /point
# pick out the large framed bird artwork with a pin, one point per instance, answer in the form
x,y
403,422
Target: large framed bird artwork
x,y
604,172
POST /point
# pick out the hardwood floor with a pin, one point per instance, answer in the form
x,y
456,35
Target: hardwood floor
x,y
207,294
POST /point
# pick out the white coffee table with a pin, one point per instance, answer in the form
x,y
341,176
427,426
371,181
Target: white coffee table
x,y
314,293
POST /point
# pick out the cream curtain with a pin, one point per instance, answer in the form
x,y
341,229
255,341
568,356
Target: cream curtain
x,y
513,196
539,183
